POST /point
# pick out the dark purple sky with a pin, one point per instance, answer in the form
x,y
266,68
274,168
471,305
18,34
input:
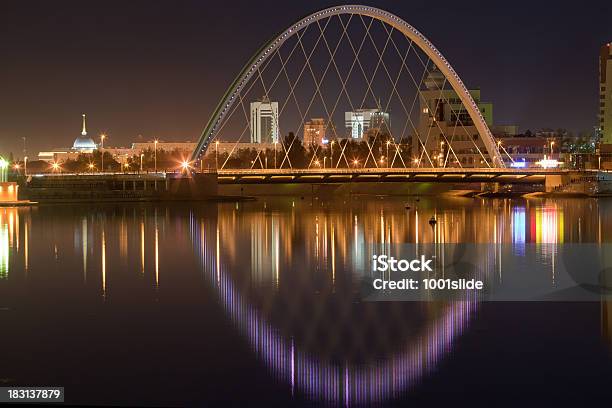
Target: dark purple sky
x,y
157,69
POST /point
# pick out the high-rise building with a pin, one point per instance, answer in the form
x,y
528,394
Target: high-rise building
x,y
442,119
359,121
264,121
605,93
314,132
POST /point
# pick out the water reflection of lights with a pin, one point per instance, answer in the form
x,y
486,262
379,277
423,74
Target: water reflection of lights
x,y
518,225
4,251
142,246
9,238
156,251
84,246
548,225
103,257
319,379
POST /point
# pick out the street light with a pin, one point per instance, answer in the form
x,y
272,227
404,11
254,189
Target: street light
x,y
102,137
331,159
185,165
355,162
141,157
217,155
25,166
91,167
155,153
55,166
552,143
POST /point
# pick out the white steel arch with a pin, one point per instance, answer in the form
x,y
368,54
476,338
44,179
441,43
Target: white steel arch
x,y
230,96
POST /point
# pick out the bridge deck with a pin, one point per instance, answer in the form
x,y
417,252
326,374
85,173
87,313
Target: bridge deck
x,y
450,175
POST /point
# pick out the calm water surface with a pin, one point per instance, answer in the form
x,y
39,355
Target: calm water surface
x,y
190,303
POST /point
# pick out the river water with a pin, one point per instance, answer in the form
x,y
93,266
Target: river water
x,y
259,302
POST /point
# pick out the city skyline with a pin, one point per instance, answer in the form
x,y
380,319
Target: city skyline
x,y
164,103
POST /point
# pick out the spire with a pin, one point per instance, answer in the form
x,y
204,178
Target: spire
x,y
84,132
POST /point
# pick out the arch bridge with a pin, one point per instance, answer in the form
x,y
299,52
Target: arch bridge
x,y
316,67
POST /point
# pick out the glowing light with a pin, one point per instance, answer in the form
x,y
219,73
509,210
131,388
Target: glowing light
x,y
519,164
185,165
548,163
3,163
55,166
16,166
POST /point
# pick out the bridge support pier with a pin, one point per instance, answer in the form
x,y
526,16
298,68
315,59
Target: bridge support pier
x,y
553,182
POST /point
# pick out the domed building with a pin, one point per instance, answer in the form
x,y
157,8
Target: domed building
x,y
83,143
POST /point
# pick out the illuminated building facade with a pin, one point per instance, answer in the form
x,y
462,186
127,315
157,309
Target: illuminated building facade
x,y
359,121
264,121
314,132
605,93
8,192
442,113
82,144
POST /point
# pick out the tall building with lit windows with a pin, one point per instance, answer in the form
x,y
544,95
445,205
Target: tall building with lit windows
x,y
264,121
314,132
605,94
444,119
359,121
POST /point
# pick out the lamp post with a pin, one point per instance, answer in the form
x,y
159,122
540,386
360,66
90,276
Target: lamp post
x,y
324,158
102,137
155,153
217,155
25,166
331,158
141,157
552,143
388,143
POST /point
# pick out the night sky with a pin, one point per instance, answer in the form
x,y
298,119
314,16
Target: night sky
x,y
157,69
